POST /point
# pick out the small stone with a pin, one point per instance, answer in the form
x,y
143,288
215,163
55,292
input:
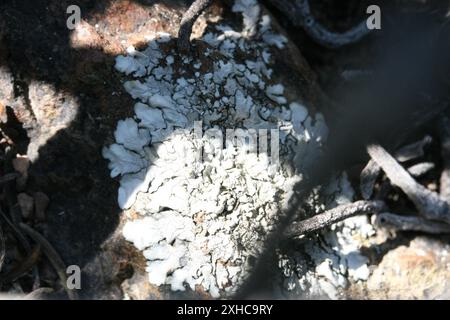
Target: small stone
x,y
21,164
26,204
41,201
138,288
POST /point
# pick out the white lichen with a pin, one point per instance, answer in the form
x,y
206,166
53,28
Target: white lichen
x,y
206,210
335,254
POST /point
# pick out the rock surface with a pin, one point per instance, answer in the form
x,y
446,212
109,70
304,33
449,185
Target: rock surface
x,y
60,85
206,218
420,270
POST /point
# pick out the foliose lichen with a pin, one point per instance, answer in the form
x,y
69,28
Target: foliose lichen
x,y
207,204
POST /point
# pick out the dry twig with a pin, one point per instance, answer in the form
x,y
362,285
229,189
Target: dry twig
x,y
23,242
420,169
368,178
334,215
411,223
187,22
52,256
18,234
300,15
411,151
23,267
428,203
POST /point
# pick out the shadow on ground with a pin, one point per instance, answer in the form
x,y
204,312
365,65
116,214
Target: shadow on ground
x,y
36,45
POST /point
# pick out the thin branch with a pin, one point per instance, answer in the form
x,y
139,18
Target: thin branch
x,y
23,267
300,15
411,223
413,151
187,22
428,203
23,241
18,234
368,178
420,169
334,215
52,256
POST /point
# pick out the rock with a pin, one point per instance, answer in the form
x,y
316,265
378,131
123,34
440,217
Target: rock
x,y
6,90
62,88
85,36
128,23
41,201
9,99
43,111
26,204
418,271
243,83
53,111
99,275
21,164
138,288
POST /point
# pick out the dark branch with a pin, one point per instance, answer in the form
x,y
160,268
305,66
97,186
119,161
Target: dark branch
x,y
23,267
299,13
420,169
22,240
368,178
428,203
334,215
187,22
52,256
411,223
413,150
